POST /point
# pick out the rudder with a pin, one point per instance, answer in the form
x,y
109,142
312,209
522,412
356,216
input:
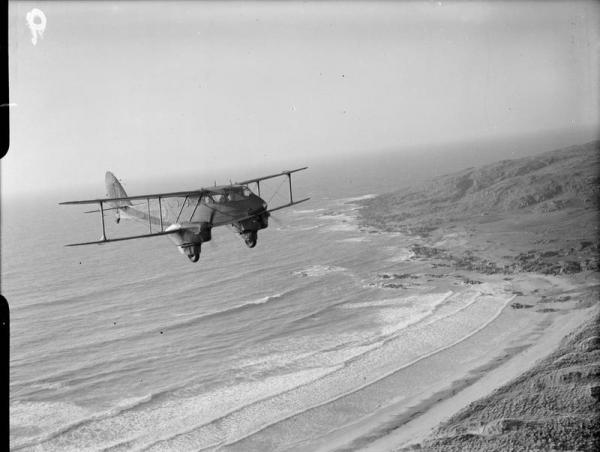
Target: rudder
x,y
114,189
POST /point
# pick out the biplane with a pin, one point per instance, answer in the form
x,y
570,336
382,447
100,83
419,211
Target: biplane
x,y
188,217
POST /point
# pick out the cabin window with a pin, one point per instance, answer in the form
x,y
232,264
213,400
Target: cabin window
x,y
235,195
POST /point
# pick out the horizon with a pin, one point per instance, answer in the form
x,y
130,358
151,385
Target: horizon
x,y
439,161
248,88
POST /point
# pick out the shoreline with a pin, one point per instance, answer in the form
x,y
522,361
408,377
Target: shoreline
x,y
409,421
534,223
480,383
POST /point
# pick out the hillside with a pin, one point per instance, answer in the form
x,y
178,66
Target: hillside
x,y
535,214
556,180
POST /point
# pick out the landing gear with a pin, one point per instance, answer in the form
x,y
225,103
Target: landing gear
x,y
248,229
250,238
193,252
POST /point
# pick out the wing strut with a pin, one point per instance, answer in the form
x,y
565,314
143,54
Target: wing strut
x,y
287,173
196,207
182,206
149,218
102,220
160,213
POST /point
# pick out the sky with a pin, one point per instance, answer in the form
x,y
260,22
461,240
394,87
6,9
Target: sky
x,y
160,89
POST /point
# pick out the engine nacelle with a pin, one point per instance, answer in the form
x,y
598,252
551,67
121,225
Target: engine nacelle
x,y
254,224
189,238
205,233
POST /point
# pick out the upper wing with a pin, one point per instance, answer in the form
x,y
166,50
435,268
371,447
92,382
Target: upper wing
x,y
194,193
287,173
283,173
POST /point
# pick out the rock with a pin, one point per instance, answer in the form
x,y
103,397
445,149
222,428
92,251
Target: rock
x,y
595,392
569,267
549,253
520,306
502,425
590,344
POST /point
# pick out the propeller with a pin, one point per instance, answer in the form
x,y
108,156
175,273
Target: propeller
x,y
276,220
212,242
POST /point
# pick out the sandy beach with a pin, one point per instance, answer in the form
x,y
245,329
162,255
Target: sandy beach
x,y
461,373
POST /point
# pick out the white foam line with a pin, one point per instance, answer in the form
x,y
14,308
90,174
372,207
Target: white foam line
x,y
358,198
333,399
462,308
300,212
224,415
217,445
123,405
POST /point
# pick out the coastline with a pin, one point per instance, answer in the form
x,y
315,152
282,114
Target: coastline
x,y
532,223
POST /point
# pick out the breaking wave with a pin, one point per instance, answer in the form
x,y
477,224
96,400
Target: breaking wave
x,y
319,270
61,417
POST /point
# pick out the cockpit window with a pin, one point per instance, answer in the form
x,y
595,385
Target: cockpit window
x,y
236,194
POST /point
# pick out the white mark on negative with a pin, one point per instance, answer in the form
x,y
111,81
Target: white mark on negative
x,y
36,20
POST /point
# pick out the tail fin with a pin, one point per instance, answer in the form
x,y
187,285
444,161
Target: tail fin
x,y
124,208
114,189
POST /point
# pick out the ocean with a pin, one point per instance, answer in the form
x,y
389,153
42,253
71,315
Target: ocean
x,y
129,346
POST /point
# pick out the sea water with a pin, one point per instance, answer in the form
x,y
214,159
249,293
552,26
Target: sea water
x,y
129,346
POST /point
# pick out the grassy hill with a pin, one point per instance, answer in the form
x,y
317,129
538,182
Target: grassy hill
x,y
556,180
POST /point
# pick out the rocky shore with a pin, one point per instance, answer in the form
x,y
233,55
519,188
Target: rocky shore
x,y
547,262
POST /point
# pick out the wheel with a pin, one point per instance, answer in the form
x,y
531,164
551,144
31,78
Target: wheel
x,y
250,238
193,253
